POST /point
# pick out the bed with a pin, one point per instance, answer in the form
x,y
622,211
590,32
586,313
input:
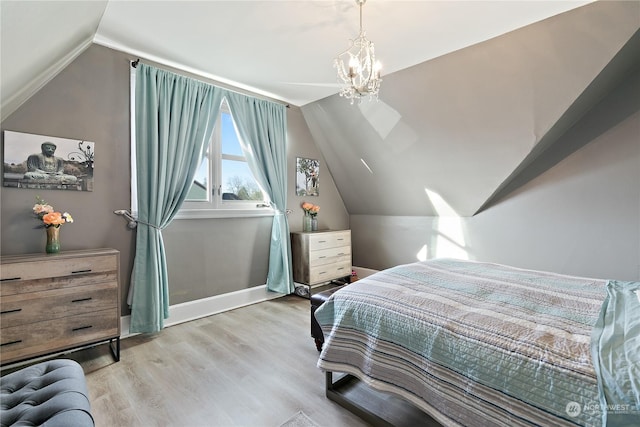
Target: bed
x,y
473,343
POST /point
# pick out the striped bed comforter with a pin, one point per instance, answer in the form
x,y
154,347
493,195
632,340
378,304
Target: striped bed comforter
x,y
473,343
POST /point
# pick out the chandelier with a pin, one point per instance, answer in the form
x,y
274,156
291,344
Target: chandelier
x,y
358,68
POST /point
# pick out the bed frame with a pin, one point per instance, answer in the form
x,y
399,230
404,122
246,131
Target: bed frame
x,y
399,409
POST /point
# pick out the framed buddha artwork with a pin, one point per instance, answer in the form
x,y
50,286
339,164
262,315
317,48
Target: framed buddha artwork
x,y
47,162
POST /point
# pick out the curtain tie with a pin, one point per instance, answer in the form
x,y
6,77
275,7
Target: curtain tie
x,y
150,225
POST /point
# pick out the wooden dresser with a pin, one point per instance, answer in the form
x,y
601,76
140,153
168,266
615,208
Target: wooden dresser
x,y
53,303
320,256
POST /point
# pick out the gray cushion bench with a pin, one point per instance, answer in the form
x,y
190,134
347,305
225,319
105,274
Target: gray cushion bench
x,y
52,393
316,301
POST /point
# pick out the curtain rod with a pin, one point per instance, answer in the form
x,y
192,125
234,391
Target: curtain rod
x,y
135,63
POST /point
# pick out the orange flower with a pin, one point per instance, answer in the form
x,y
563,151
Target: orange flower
x,y
307,206
53,218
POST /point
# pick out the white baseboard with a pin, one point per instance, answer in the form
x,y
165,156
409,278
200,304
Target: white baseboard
x,y
192,310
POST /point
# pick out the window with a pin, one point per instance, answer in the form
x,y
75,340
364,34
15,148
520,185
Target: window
x,y
224,181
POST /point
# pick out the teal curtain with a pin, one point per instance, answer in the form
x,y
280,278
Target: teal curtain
x,y
174,120
262,126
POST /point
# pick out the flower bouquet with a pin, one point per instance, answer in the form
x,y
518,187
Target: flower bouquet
x,y
51,221
309,221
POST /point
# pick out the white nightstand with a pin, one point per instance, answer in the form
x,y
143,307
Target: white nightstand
x,y
320,256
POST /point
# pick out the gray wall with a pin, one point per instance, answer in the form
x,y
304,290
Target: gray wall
x,y
333,213
581,216
90,100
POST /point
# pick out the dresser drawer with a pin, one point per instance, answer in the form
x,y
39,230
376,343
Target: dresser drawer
x,y
324,273
15,287
35,307
329,240
32,340
21,269
331,255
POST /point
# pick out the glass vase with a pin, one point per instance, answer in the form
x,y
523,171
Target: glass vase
x,y
314,224
306,223
53,240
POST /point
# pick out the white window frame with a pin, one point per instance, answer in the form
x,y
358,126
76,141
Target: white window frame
x,y
215,206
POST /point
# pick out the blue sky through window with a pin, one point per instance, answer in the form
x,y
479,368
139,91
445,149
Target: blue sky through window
x,y
230,168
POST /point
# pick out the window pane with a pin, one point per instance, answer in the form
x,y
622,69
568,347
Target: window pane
x,y
238,182
230,142
199,189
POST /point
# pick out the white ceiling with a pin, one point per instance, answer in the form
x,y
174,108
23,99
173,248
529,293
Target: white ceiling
x,y
281,49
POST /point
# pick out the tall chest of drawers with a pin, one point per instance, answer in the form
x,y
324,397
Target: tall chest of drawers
x,y
320,256
52,303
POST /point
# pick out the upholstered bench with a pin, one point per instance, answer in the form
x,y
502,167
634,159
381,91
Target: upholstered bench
x,y
52,393
316,301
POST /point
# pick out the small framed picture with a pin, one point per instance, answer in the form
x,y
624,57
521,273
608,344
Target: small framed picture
x,y
47,162
307,177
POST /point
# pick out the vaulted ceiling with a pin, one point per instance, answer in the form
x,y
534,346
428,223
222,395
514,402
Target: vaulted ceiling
x,y
476,99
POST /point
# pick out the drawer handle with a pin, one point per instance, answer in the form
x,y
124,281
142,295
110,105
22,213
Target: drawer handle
x,y
81,271
15,310
320,257
322,241
10,279
322,272
341,268
81,328
341,253
82,299
340,239
10,343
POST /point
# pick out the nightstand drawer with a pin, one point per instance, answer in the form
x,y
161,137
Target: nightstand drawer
x,y
328,272
329,240
331,255
35,307
36,339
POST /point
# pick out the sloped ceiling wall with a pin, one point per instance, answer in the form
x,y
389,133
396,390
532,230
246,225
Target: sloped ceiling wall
x,y
39,39
459,126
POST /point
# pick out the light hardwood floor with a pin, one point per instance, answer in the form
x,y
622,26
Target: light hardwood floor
x,y
254,366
